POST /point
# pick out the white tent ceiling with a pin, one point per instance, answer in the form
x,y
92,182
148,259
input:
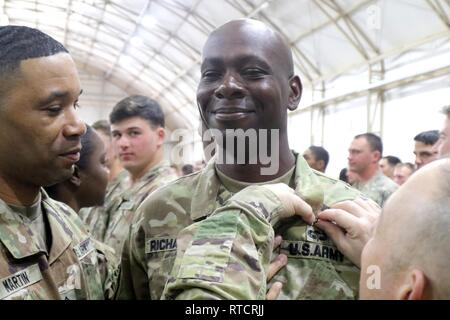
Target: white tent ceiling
x,y
153,46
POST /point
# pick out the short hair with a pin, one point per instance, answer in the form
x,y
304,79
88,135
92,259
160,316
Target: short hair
x,y
103,126
392,160
138,106
187,169
343,175
408,165
320,154
87,147
20,43
428,137
374,141
446,110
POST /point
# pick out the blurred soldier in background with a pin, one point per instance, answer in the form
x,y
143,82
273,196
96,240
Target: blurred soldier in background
x,y
138,132
317,158
365,152
423,147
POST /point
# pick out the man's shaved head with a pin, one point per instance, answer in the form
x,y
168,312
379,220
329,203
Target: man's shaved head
x,y
247,82
413,233
254,29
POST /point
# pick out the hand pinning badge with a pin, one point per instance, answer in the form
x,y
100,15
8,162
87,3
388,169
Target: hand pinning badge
x,y
324,207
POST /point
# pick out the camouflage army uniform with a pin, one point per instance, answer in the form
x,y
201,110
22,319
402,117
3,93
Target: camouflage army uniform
x,y
315,270
378,188
123,207
75,268
96,218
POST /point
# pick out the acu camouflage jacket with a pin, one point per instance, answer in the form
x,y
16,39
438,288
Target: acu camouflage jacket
x,y
75,268
226,255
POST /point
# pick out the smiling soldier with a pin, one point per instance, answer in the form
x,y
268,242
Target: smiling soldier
x,y
223,220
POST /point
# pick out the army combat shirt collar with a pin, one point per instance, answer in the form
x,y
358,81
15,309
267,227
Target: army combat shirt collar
x,y
21,241
375,178
306,184
234,185
116,183
33,217
144,180
30,213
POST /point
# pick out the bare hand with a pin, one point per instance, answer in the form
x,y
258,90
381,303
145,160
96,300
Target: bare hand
x,y
276,265
292,203
350,224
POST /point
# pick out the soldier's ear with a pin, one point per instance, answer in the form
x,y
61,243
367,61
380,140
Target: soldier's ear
x,y
161,132
75,179
295,92
321,165
414,286
377,155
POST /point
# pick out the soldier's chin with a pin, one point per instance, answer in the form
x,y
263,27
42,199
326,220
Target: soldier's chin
x,y
58,176
129,165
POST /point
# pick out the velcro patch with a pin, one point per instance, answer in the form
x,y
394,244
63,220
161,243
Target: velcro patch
x,y
207,256
153,245
313,234
84,248
19,280
311,250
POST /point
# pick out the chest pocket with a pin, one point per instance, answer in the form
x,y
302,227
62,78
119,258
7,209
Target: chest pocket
x,y
160,253
316,268
83,279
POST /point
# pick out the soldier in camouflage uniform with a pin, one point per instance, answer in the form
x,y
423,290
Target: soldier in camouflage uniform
x,y
85,188
379,188
75,267
247,82
364,154
45,250
87,185
96,218
137,124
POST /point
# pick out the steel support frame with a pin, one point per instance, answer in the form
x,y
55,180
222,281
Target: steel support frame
x,y
440,12
383,86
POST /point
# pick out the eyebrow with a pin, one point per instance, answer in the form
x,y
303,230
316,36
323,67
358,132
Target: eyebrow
x,y
126,129
251,58
56,95
240,60
428,153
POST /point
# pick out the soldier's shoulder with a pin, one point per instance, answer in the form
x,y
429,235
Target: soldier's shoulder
x,y
171,201
179,187
164,177
66,211
389,184
335,190
70,217
325,179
